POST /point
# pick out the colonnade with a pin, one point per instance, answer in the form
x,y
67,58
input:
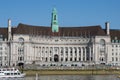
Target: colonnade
x,y
62,53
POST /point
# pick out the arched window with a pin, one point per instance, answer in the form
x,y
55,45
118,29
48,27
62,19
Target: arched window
x,y
21,39
102,42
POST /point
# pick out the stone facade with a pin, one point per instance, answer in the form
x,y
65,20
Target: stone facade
x,y
64,46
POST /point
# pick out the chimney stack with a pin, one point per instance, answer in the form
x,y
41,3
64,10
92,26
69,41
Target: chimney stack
x,y
107,25
9,29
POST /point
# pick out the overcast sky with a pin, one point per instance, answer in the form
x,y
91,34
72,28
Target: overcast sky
x,y
71,13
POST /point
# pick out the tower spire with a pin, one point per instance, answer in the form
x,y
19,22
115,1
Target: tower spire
x,y
54,21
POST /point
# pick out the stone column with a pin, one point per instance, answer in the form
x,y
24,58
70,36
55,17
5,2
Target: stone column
x,y
34,53
59,53
68,53
73,54
77,53
90,54
52,54
85,53
63,54
81,54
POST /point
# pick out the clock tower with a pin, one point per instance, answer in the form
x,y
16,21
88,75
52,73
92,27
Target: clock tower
x,y
54,21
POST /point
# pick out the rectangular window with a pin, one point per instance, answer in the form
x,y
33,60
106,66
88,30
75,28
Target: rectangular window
x,y
116,59
112,58
83,58
112,49
75,54
5,58
66,54
71,54
0,58
79,58
0,48
61,59
46,59
112,53
79,54
50,59
91,58
66,59
21,59
79,51
75,59
70,59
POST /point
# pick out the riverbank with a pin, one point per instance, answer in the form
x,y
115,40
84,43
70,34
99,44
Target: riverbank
x,y
70,72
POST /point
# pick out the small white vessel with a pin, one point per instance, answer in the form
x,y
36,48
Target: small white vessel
x,y
10,73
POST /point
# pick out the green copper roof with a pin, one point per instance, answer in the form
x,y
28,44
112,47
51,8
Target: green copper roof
x,y
54,21
54,10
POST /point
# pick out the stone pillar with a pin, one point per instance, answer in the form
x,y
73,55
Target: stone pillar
x,y
52,54
81,54
73,52
77,53
34,53
63,54
48,54
85,53
90,54
59,53
68,53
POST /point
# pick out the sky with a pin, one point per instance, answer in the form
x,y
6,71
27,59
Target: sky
x,y
71,13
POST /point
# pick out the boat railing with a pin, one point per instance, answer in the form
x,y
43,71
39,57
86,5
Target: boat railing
x,y
9,69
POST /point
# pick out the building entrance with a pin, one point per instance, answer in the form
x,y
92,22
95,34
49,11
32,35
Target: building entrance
x,y
56,58
20,64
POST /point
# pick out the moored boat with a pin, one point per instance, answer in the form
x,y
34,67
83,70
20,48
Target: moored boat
x,y
10,73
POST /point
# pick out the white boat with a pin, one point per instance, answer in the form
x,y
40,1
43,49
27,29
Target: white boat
x,y
10,73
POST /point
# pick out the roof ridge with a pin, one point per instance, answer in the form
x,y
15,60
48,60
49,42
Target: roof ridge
x,y
30,25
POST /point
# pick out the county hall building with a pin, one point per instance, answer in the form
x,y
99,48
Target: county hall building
x,y
56,45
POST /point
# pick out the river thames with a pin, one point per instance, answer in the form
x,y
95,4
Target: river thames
x,y
68,77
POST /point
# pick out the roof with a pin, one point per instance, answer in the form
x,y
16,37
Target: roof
x,y
63,31
3,32
115,34
84,31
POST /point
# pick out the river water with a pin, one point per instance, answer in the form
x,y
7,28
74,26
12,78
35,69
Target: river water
x,y
68,77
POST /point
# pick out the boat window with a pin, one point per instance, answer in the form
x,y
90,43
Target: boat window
x,y
15,73
8,73
4,70
11,73
18,73
7,69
